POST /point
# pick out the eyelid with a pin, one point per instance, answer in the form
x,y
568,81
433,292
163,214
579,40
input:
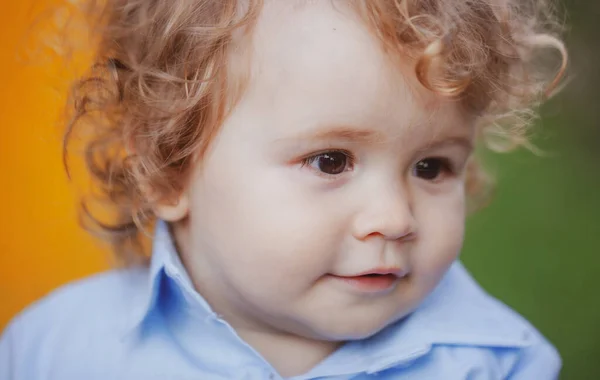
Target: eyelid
x,y
329,150
457,150
456,153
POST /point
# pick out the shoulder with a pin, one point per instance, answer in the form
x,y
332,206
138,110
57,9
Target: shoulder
x,y
463,319
89,299
76,316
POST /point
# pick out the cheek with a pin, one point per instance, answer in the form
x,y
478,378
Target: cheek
x,y
441,226
267,231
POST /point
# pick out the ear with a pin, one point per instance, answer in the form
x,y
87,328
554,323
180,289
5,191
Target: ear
x,y
175,210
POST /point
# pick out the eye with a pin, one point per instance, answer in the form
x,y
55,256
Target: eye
x,y
430,169
331,163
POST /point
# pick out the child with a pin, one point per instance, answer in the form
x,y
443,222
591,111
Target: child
x,y
304,168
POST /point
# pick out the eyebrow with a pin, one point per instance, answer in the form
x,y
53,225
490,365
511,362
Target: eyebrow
x,y
449,141
341,134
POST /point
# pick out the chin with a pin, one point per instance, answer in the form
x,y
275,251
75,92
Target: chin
x,y
341,335
351,329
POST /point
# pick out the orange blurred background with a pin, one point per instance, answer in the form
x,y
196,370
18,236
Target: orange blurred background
x,y
41,244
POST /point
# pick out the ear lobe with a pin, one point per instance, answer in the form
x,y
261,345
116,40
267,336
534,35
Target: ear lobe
x,y
173,212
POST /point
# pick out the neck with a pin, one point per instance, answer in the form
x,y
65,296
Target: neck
x,y
290,355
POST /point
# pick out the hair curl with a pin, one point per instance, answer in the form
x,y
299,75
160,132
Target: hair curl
x,y
159,87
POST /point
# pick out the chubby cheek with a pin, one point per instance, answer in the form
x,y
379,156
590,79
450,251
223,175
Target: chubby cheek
x,y
267,236
441,228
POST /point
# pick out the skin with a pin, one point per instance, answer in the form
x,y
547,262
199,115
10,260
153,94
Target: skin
x,y
266,230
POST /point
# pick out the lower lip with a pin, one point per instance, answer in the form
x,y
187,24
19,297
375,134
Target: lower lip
x,y
370,283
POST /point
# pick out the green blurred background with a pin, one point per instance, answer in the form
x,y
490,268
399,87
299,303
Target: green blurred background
x,y
537,245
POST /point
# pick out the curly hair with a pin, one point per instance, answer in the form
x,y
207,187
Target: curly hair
x,y
159,87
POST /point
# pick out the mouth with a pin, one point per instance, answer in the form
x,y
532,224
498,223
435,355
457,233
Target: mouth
x,y
373,281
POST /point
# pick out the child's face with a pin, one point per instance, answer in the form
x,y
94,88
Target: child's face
x,y
333,164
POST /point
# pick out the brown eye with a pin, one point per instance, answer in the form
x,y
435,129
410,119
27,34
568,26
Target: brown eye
x,y
331,163
431,169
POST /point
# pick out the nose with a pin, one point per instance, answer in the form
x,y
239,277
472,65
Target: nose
x,y
387,214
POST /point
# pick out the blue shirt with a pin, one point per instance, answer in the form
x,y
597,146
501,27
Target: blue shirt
x,y
149,323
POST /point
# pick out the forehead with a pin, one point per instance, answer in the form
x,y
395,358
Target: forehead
x,y
316,61
322,40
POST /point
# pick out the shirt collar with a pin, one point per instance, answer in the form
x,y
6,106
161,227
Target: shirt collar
x,y
457,312
165,264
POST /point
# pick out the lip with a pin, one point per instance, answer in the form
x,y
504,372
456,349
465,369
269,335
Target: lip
x,y
398,272
372,281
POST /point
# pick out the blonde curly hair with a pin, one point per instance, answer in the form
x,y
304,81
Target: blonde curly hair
x,y
158,89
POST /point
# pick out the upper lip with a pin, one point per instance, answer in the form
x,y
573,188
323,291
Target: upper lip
x,y
398,272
